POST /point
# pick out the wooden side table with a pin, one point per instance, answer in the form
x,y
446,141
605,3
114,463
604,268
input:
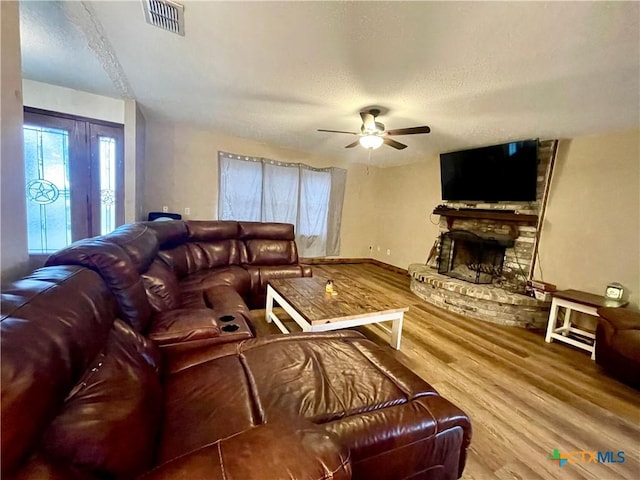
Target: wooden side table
x,y
581,302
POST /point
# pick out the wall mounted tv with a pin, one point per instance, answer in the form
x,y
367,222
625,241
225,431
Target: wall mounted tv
x,y
501,173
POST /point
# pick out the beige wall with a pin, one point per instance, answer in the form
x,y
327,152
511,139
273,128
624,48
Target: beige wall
x,y
141,135
13,234
74,102
405,199
181,172
134,147
591,233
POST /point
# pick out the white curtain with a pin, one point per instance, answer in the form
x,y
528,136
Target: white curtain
x,y
315,187
240,200
279,193
258,189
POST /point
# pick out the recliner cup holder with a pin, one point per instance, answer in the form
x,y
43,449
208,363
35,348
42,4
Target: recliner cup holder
x,y
227,318
232,327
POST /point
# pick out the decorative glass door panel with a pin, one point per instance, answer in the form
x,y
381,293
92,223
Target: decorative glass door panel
x,y
107,154
107,148
46,152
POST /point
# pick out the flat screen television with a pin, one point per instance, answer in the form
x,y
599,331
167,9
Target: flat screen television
x,y
501,173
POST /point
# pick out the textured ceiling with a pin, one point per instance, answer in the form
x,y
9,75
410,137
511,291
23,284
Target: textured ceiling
x,y
477,73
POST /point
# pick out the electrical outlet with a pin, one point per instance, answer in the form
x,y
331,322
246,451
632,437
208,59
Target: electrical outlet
x,y
388,251
165,209
378,247
187,211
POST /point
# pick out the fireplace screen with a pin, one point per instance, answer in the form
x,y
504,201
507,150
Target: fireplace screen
x,y
471,257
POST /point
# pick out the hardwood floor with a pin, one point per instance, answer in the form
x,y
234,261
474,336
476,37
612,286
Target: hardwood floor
x,y
525,397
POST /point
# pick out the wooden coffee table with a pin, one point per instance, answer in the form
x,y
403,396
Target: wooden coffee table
x,y
314,310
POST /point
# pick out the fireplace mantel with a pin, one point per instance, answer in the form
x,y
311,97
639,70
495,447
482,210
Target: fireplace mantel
x,y
512,219
507,217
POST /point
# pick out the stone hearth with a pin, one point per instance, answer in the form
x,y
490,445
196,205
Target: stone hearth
x,y
483,302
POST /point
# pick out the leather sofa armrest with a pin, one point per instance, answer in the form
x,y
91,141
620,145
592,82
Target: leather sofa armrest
x,y
612,320
620,318
276,450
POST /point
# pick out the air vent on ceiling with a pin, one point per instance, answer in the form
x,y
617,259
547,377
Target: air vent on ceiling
x,y
165,14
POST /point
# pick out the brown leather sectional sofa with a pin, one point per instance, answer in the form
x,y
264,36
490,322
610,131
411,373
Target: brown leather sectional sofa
x,y
189,284
116,364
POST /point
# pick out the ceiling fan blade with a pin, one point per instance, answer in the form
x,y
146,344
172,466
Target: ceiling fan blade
x,y
336,131
409,131
368,122
354,144
394,144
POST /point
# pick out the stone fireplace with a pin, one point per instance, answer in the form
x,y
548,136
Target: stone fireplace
x,y
484,256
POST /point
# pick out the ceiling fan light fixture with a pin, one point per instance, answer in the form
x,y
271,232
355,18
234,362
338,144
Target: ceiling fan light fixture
x,y
371,141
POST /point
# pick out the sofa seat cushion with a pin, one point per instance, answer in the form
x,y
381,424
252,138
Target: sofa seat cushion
x,y
380,410
324,377
233,276
203,404
182,329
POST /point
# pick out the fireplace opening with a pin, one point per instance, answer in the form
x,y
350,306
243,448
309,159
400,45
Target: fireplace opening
x,y
472,257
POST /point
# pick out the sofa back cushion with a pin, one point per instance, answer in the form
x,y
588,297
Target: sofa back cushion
x,y
204,255
211,231
109,421
267,243
212,244
49,335
177,258
266,231
117,270
161,285
138,241
193,257
206,245
170,233
271,252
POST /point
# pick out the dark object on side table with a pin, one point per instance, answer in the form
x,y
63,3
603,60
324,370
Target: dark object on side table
x,y
618,344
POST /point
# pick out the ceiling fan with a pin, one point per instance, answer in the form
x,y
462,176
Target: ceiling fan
x,y
373,135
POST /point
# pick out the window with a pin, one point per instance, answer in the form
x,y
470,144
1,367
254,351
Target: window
x,y
74,173
262,190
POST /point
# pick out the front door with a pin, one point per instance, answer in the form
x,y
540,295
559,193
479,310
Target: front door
x,y
75,180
